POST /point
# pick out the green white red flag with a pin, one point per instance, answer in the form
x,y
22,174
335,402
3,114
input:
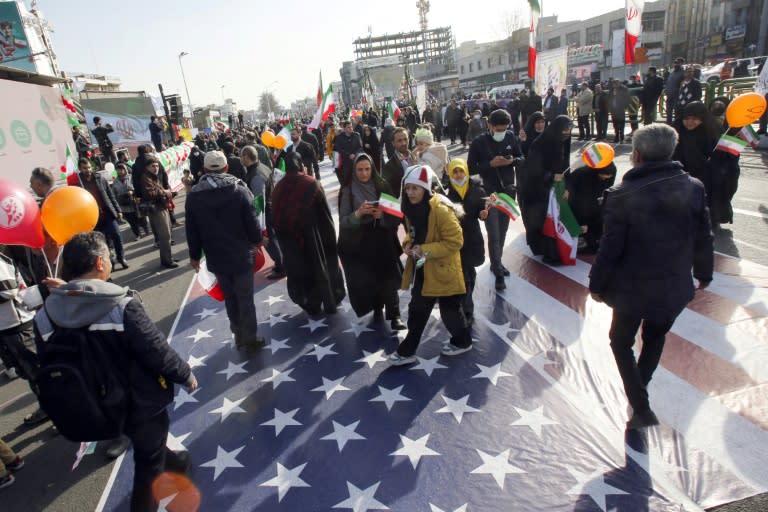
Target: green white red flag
x,y
749,135
70,166
391,205
632,28
394,110
506,204
327,108
561,225
320,90
731,144
535,15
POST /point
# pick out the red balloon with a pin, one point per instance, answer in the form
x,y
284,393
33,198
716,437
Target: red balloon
x,y
20,222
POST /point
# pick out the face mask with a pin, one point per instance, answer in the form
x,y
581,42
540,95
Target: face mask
x,y
499,136
477,117
459,183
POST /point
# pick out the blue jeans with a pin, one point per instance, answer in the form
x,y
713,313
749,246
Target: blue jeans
x,y
496,226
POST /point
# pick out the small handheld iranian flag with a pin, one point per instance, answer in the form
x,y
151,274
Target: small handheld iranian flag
x,y
506,204
394,110
561,224
208,282
391,205
70,167
749,135
731,144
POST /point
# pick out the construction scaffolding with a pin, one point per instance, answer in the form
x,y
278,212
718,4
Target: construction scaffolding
x,y
434,47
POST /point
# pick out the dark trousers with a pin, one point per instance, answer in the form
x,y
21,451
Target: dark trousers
x,y
108,226
273,247
452,133
764,120
649,113
137,223
419,310
496,226
150,457
670,107
636,374
158,143
584,132
238,301
601,124
17,350
470,276
618,127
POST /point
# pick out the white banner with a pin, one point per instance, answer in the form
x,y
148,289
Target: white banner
x,y
617,48
761,86
33,130
552,71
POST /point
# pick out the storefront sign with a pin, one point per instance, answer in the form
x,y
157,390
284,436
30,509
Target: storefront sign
x,y
735,32
585,54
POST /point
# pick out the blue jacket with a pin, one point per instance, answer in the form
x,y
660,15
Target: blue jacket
x,y
657,228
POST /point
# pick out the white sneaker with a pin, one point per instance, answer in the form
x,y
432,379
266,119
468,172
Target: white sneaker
x,y
452,350
396,359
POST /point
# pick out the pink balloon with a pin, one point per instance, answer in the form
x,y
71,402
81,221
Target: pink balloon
x,y
20,222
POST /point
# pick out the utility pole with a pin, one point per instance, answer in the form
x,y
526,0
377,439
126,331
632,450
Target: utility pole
x,y
762,44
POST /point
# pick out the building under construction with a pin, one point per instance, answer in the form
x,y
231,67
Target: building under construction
x,y
431,50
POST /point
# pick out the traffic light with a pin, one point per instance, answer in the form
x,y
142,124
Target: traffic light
x,y
175,109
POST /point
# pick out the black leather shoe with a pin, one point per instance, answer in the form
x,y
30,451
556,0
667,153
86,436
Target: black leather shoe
x,y
124,264
642,420
118,447
505,271
274,275
171,264
500,284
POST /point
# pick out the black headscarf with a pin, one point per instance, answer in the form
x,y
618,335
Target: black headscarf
x,y
695,147
530,131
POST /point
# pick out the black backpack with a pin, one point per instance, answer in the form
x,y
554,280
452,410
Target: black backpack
x,y
80,387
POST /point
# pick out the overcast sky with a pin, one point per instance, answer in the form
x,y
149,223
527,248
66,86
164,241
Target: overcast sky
x,y
246,45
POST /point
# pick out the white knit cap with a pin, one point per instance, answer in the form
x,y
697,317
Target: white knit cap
x,y
421,175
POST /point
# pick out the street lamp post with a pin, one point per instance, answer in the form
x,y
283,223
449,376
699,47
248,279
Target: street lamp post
x,y
183,77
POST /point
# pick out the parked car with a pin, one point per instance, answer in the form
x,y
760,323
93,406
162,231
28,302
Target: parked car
x,y
732,68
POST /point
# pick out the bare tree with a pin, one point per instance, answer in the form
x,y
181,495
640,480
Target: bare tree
x,y
268,103
509,22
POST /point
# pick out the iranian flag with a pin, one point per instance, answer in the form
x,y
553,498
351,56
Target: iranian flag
x,y
561,225
749,135
327,108
731,144
394,110
506,204
320,90
535,15
208,282
70,166
285,133
633,27
391,205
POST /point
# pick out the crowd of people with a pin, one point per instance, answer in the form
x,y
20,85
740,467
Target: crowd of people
x,y
409,217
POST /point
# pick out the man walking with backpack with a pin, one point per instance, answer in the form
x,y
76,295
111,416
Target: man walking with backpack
x,y
129,381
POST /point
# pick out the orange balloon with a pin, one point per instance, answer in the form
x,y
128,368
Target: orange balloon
x,y
745,109
178,491
598,155
68,211
280,142
268,138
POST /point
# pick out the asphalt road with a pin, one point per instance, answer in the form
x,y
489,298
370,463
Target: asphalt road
x,y
47,483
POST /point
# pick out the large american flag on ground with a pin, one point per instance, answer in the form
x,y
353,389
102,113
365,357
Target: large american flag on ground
x,y
531,419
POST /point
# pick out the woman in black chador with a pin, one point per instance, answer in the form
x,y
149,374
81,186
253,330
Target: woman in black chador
x,y
548,159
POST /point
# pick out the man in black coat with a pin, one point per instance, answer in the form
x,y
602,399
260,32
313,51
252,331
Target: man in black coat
x,y
452,118
347,144
156,134
657,228
109,209
494,156
234,164
652,89
102,139
313,138
513,107
394,169
222,222
148,364
306,151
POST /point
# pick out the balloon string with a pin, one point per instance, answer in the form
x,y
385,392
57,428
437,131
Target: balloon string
x,y
47,264
58,257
